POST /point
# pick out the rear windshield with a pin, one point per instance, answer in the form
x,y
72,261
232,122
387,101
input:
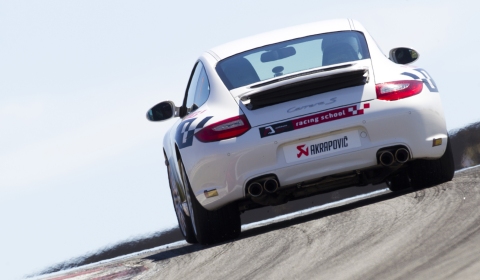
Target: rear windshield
x,y
292,56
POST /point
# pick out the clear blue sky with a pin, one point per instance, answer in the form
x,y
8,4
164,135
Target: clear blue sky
x,y
81,168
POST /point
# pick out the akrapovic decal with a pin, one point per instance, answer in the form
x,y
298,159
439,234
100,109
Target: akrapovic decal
x,y
427,80
319,118
322,146
186,131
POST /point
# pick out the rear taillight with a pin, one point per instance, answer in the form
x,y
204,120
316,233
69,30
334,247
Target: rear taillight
x,y
399,89
229,128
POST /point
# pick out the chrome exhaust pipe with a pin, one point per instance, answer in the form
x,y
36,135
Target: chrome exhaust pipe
x,y
270,185
386,158
402,155
255,189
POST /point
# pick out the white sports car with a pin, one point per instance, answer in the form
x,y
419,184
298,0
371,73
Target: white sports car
x,y
294,113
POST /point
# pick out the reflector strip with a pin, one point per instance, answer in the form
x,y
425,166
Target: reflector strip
x,y
210,193
437,142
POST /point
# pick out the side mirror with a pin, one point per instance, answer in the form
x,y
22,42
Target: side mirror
x,y
403,55
162,111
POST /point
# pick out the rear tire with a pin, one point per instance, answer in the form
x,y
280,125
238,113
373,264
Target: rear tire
x,y
184,222
426,173
212,226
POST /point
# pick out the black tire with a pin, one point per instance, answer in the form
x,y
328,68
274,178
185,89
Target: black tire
x,y
212,226
426,173
399,182
184,222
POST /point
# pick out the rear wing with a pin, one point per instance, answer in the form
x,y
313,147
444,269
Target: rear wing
x,y
304,84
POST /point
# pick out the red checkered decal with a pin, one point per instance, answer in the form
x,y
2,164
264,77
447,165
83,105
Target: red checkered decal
x,y
359,109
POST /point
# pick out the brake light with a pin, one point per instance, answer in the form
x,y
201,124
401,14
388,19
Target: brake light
x,y
399,89
229,128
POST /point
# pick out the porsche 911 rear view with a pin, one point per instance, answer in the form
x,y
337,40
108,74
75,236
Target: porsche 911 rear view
x,y
298,112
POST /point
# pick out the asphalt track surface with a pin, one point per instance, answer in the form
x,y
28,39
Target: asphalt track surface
x,y
432,233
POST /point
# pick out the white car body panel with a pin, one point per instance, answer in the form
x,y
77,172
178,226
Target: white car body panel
x,y
228,165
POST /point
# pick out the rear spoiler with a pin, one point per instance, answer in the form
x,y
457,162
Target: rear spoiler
x,y
304,84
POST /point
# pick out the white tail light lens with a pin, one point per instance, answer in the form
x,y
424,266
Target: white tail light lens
x,y
398,90
229,128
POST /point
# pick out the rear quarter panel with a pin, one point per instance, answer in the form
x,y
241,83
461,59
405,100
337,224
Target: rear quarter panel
x,y
219,106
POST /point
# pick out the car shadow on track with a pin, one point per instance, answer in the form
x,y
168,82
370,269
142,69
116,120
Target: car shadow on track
x,y
191,248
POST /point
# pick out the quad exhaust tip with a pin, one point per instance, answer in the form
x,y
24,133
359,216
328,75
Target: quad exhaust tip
x,y
386,158
270,185
258,188
255,189
402,155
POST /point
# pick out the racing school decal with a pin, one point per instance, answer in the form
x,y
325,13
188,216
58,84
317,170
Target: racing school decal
x,y
323,117
186,130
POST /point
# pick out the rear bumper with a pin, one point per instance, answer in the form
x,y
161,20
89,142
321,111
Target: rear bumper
x,y
228,165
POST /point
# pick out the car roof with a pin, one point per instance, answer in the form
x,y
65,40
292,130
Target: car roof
x,y
272,37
